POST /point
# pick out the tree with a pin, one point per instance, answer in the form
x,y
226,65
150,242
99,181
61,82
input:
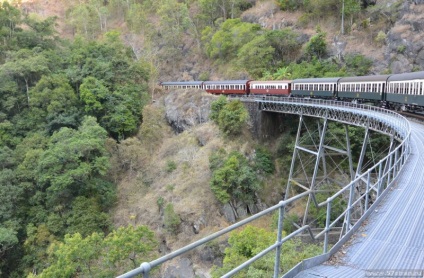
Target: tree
x,y
82,18
232,118
94,95
174,22
76,255
111,84
171,219
235,180
72,159
27,66
255,56
86,217
54,100
250,241
8,239
97,255
129,243
216,108
231,36
316,47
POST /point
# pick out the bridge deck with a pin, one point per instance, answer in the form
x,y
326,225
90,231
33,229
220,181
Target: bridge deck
x,y
393,237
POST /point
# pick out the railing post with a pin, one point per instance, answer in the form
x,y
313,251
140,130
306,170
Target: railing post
x,y
390,169
367,191
327,225
396,163
147,268
279,237
349,206
380,183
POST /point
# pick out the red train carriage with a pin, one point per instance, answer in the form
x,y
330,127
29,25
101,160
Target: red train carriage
x,y
227,87
280,87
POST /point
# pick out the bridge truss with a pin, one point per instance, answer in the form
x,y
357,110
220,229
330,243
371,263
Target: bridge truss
x,y
363,191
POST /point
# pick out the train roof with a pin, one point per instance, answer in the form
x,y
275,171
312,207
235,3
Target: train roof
x,y
181,83
371,78
270,82
226,82
406,76
317,80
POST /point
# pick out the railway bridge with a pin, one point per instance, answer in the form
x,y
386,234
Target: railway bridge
x,y
389,198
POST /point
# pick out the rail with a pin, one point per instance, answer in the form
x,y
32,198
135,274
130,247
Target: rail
x,y
378,180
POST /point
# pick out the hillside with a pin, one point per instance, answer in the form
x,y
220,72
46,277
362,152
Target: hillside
x,y
88,136
389,33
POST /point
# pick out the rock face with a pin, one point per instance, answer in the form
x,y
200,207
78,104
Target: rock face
x,y
405,41
187,108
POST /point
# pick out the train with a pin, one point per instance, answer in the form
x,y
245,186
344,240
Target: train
x,y
402,92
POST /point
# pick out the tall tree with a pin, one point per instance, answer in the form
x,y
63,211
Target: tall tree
x,y
72,159
26,67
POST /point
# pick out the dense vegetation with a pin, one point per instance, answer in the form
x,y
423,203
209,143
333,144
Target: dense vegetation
x,y
59,102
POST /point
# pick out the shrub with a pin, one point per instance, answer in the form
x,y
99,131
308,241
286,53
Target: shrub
x,y
216,108
381,37
358,64
263,161
234,180
317,46
232,117
171,219
170,166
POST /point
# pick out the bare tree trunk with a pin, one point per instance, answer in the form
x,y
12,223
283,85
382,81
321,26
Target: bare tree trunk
x,y
27,89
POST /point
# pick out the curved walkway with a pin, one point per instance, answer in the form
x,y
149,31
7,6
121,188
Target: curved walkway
x,y
391,244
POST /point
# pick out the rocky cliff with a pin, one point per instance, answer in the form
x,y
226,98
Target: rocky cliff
x,y
405,41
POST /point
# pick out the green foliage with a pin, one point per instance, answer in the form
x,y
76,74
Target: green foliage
x,y
216,108
250,48
286,45
234,180
54,99
87,217
217,158
232,117
8,239
315,68
53,159
381,38
111,85
170,166
160,202
289,219
401,48
358,64
289,5
73,158
263,161
319,215
232,35
255,56
250,241
171,219
316,47
98,255
211,10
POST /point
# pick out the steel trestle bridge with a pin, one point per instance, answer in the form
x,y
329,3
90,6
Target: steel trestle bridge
x,y
363,190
